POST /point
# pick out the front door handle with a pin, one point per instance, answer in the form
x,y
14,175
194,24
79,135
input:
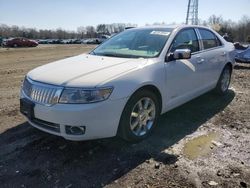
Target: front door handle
x,y
200,60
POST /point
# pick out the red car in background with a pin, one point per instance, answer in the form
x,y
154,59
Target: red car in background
x,y
20,42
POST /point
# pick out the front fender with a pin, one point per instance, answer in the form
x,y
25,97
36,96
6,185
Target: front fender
x,y
152,74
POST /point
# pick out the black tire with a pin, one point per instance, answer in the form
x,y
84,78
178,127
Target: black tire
x,y
124,129
222,88
15,45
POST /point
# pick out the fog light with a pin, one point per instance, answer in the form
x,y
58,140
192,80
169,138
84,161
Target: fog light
x,y
75,130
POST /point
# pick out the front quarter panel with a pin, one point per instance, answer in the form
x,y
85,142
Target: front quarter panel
x,y
150,74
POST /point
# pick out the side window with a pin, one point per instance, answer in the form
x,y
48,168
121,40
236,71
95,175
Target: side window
x,y
209,39
186,39
218,41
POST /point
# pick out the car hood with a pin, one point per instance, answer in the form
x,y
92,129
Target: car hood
x,y
84,70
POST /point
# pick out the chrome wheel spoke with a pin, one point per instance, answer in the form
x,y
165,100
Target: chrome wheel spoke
x,y
146,128
137,130
150,109
134,114
134,124
150,118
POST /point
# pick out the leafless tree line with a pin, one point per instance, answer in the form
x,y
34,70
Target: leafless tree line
x,y
238,31
82,32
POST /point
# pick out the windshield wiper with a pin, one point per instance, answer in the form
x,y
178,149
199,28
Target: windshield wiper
x,y
109,55
118,55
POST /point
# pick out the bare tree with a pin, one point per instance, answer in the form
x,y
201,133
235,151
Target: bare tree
x,y
238,31
90,31
81,31
101,28
213,20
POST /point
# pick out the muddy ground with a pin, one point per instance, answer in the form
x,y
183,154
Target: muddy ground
x,y
204,143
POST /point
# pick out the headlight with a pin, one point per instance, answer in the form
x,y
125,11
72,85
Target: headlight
x,y
81,96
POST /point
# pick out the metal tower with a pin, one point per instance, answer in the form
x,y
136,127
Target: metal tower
x,y
192,12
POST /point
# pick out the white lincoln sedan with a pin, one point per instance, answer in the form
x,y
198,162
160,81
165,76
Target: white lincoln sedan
x,y
122,86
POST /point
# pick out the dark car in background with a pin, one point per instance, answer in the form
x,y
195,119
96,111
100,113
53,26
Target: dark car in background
x,y
91,41
102,38
20,42
43,41
54,41
98,40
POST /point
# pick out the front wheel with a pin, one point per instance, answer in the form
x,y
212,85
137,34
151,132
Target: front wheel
x,y
224,81
139,116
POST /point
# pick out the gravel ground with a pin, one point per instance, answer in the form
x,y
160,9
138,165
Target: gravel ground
x,y
204,143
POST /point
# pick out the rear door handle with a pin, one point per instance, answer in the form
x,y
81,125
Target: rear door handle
x,y
223,54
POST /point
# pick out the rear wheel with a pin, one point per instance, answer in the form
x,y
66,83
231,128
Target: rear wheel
x,y
15,45
139,116
224,81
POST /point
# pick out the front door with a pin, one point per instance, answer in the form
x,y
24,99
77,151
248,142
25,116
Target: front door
x,y
183,76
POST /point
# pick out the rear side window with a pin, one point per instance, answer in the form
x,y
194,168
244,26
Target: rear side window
x,y
209,39
186,39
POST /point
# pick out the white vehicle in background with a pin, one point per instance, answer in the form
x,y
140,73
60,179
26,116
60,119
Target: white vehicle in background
x,y
122,86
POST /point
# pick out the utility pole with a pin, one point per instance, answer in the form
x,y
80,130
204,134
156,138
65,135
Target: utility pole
x,y
192,12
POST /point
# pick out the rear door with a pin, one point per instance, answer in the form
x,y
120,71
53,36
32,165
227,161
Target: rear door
x,y
214,56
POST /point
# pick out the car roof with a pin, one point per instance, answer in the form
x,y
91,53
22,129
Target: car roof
x,y
170,27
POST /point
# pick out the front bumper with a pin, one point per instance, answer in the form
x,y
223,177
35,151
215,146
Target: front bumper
x,y
100,120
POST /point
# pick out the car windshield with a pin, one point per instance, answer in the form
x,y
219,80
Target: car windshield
x,y
135,43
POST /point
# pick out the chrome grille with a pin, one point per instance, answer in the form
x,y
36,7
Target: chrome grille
x,y
41,93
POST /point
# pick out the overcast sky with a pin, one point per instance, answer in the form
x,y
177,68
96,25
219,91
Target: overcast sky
x,y
69,14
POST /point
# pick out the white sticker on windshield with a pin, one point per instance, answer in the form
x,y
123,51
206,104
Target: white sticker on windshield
x,y
164,33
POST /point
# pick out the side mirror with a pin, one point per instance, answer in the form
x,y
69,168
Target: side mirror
x,y
179,54
182,54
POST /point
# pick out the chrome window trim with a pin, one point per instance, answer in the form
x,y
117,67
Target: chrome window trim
x,y
183,29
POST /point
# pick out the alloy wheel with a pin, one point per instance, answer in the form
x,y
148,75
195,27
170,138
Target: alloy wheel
x,y
142,116
225,81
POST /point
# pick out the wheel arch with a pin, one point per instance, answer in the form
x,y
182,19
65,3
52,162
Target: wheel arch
x,y
148,87
230,65
152,88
